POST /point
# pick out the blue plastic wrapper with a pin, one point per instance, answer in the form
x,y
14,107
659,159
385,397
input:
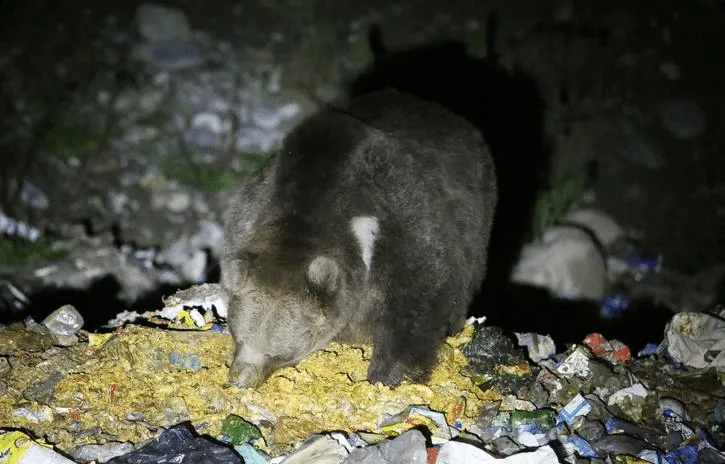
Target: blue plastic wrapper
x,y
581,446
178,445
614,305
645,263
687,454
649,349
578,406
219,328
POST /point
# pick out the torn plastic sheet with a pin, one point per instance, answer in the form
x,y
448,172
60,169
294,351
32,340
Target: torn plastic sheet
x,y
210,298
577,363
415,416
180,446
539,347
197,307
696,340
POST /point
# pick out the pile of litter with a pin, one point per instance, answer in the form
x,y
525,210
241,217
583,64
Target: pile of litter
x,y
156,390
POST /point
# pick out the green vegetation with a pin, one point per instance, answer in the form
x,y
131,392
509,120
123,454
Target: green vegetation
x,y
204,176
477,42
69,137
360,52
554,203
15,253
253,162
213,178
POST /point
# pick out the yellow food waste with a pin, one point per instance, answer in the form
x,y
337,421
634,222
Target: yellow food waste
x,y
125,386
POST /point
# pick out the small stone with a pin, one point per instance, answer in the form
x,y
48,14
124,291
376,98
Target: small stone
x,y
289,110
32,196
65,320
117,201
266,118
670,70
171,55
208,121
178,202
150,102
43,392
158,23
683,118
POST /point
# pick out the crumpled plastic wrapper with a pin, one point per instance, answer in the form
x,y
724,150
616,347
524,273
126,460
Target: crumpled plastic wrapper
x,y
126,385
696,340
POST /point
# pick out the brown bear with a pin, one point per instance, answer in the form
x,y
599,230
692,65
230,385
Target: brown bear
x,y
371,224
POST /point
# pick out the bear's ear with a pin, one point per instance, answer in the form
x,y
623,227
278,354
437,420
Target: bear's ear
x,y
324,274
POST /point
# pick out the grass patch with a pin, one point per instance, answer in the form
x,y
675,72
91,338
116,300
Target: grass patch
x,y
360,52
555,202
203,176
477,42
16,253
68,138
213,178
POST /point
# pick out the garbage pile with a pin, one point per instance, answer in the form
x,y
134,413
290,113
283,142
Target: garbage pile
x,y
154,389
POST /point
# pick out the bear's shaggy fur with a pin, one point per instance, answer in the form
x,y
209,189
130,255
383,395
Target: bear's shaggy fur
x,y
371,224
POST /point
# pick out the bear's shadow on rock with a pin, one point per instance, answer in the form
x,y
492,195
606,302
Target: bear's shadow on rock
x,y
504,105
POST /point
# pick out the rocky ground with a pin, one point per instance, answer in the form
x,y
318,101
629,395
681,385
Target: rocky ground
x,y
126,127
